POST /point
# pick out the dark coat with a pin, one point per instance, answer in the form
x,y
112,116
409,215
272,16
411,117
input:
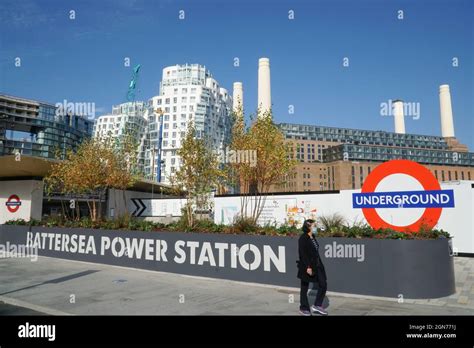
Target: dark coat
x,y
308,257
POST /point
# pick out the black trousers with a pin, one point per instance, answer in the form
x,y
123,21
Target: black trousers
x,y
320,277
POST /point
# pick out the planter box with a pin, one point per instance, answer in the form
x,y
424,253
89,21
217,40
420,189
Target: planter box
x,y
411,268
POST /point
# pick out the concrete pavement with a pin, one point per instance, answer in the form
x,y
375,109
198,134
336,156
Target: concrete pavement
x,y
56,286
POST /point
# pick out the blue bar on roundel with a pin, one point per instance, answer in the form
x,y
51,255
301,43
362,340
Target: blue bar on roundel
x,y
404,199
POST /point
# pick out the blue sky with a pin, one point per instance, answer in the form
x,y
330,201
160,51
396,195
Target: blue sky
x,y
82,59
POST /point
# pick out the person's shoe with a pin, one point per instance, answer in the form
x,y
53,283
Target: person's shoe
x,y
305,312
319,310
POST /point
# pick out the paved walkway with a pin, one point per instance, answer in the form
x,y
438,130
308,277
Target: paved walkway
x,y
55,286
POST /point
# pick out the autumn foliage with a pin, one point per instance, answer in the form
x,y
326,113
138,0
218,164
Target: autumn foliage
x,y
97,164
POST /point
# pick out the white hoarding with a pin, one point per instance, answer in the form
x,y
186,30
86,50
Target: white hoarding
x,y
294,208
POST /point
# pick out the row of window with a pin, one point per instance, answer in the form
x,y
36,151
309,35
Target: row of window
x,y
455,175
308,129
184,99
351,152
361,175
173,134
80,127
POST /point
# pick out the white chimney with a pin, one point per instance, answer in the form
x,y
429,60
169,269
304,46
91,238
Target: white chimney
x,y
264,92
238,97
446,112
398,116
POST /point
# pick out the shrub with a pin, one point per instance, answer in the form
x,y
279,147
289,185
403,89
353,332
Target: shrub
x,y
244,225
206,225
331,223
240,226
288,230
140,225
19,222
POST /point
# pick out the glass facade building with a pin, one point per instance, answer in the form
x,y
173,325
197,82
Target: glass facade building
x,y
361,137
350,152
36,129
377,146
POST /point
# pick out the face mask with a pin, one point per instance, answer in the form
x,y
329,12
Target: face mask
x,y
314,230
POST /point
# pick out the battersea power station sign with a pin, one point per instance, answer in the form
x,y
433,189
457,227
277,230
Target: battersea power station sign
x,y
193,252
236,257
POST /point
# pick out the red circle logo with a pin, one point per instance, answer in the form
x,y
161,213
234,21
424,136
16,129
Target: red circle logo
x,y
429,182
13,203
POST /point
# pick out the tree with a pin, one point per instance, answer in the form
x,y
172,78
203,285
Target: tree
x,y
97,164
198,173
273,162
124,169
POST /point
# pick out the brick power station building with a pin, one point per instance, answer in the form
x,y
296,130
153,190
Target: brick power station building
x,y
331,158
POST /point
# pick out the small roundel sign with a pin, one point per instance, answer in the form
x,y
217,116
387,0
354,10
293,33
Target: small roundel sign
x,y
13,203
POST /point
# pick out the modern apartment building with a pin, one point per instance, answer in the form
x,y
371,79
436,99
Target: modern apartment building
x,y
188,93
127,118
39,129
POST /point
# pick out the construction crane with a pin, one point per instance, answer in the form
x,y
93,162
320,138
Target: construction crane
x,y
133,84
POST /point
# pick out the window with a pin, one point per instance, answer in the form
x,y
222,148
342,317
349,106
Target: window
x,y
456,175
174,117
193,90
184,90
184,99
167,100
449,175
353,177
167,117
175,91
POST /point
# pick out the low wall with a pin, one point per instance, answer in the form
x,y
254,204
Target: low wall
x,y
390,268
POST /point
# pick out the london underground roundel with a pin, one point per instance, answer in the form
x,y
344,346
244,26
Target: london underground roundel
x,y
13,203
430,200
